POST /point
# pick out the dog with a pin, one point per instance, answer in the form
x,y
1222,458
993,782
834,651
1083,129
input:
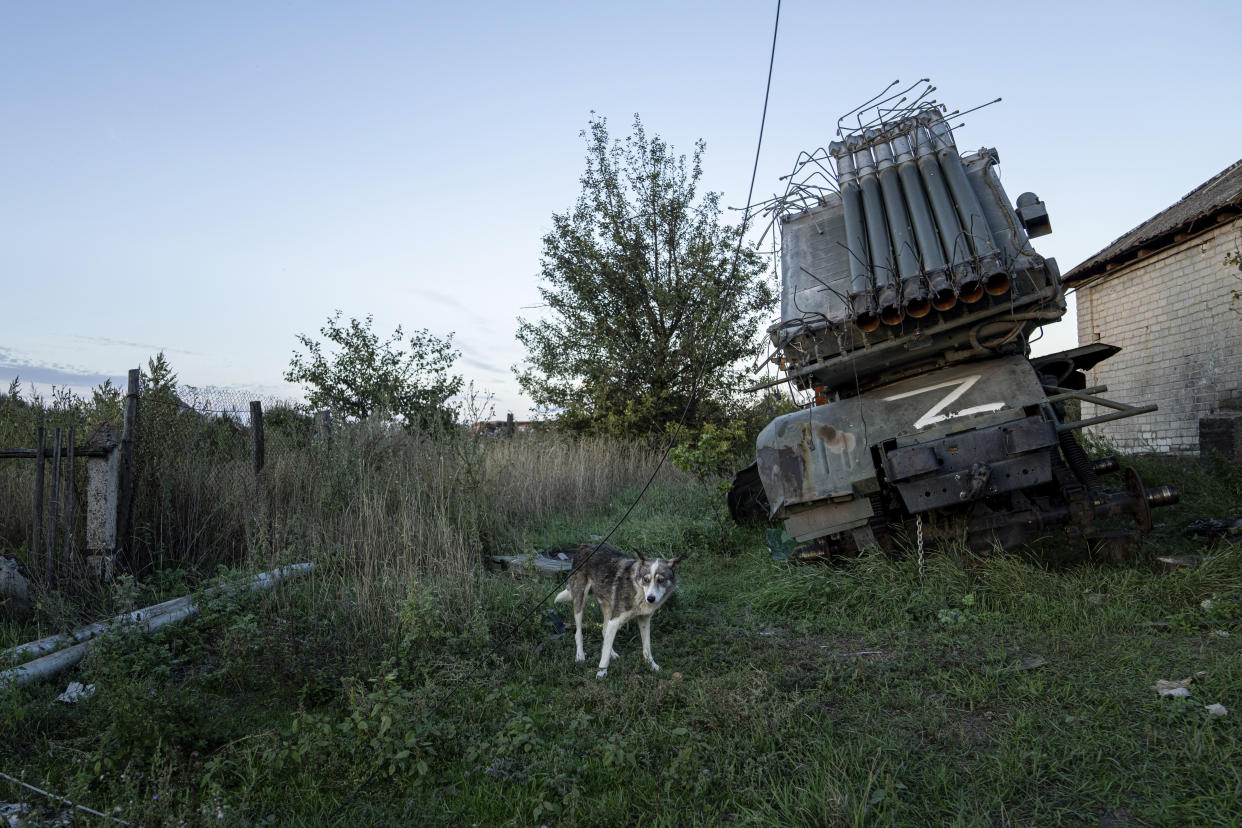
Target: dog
x,y
625,588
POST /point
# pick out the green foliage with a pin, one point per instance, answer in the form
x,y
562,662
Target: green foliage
x,y
712,452
382,727
21,415
406,380
639,277
859,693
756,416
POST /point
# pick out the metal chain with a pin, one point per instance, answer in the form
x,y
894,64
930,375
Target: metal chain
x,y
918,533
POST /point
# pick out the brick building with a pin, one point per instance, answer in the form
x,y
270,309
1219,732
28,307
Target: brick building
x,y
1164,294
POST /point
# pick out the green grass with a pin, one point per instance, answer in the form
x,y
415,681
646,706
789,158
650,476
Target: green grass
x,y
1001,692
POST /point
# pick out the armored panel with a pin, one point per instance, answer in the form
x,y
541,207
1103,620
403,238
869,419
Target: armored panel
x,y
816,280
824,453
973,464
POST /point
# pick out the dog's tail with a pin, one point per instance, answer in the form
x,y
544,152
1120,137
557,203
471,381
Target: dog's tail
x,y
563,595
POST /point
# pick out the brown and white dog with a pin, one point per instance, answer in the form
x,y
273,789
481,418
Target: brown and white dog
x,y
625,588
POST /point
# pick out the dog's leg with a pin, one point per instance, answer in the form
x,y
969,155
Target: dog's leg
x,y
610,633
644,630
605,607
579,606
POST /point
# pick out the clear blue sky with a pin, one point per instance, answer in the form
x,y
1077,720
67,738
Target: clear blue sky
x,y
213,179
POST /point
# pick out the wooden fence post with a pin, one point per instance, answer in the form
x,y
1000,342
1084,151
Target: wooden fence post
x,y
323,424
49,557
256,435
38,496
125,495
69,504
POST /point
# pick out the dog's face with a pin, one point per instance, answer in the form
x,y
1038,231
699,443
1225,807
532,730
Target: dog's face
x,y
656,577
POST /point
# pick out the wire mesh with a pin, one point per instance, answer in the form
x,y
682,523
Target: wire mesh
x,y
196,492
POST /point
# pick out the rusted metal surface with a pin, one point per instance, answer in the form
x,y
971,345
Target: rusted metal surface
x,y
825,452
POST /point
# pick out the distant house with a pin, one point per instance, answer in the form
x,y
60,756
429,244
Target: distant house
x,y
1165,295
501,428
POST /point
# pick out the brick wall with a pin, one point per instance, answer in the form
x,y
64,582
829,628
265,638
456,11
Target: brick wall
x,y
1180,331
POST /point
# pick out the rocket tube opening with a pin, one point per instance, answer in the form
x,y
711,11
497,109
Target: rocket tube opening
x,y
915,294
918,306
996,284
970,291
943,300
892,315
867,322
891,312
865,316
942,296
969,286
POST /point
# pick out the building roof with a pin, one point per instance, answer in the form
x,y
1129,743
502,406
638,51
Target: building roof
x,y
1217,199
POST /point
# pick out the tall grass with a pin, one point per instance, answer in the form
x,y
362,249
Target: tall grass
x,y
377,508
381,510
995,691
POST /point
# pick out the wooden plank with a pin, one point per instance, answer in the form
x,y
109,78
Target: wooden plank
x,y
70,491
83,450
125,497
49,556
38,496
323,424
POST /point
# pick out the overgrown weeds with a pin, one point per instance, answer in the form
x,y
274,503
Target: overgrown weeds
x,y
400,683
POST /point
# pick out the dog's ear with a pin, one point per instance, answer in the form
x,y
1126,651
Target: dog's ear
x,y
672,562
639,556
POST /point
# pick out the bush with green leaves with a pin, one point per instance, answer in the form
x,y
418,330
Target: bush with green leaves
x,y
647,292
360,375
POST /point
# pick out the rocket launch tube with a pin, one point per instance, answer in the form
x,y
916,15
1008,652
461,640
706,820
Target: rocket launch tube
x,y
913,290
942,296
877,237
996,279
855,235
956,247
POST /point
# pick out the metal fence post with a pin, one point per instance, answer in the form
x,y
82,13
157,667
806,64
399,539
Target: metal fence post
x,y
256,435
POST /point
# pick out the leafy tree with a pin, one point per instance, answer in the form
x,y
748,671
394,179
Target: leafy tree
x,y
635,277
406,379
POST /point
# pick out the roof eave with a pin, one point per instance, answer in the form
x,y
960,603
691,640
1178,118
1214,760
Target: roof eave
x,y
1099,264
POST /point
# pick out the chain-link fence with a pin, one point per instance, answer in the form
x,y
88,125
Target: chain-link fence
x,y
199,491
